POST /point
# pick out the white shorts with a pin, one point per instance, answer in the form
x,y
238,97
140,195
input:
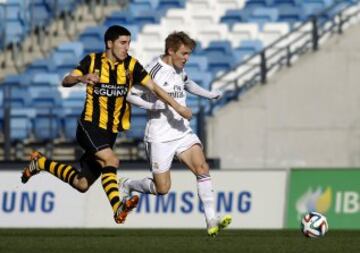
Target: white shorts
x,y
161,154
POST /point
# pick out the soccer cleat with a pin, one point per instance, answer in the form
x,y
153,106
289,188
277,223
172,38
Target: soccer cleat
x,y
225,221
215,225
123,188
33,167
125,207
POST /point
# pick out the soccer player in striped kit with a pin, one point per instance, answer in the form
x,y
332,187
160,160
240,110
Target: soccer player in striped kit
x,y
168,134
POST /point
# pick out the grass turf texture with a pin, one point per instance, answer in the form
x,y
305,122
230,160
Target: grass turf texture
x,y
174,240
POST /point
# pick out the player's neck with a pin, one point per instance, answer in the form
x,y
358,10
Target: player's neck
x,y
168,60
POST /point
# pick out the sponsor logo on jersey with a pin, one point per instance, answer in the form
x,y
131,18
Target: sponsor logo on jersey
x,y
109,90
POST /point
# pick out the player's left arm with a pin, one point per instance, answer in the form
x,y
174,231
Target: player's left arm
x,y
196,89
135,97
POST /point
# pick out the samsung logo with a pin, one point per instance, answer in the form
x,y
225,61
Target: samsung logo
x,y
27,202
188,202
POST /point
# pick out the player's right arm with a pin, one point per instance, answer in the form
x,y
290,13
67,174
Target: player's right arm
x,y
81,74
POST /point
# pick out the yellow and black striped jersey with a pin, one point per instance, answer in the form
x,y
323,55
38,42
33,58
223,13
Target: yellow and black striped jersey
x,y
105,105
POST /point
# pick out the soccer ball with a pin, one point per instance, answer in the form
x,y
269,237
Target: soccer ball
x,y
314,225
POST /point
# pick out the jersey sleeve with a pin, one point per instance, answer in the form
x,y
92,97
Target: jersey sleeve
x,y
140,74
83,67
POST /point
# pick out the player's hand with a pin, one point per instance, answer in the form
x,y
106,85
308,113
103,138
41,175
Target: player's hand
x,y
90,78
216,94
185,112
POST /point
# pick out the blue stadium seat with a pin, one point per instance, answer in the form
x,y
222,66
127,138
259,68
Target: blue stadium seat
x,y
146,17
291,14
92,35
40,11
197,63
95,47
46,125
69,50
202,78
45,97
14,31
286,3
45,80
247,48
263,15
253,4
164,5
138,122
41,66
1,96
233,16
69,121
119,17
218,48
20,123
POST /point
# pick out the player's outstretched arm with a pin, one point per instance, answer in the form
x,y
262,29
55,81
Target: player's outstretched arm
x,y
135,97
182,110
196,89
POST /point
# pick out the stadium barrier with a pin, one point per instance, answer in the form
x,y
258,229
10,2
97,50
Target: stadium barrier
x,y
47,202
256,199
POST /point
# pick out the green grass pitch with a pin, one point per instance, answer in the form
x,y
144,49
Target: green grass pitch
x,y
172,240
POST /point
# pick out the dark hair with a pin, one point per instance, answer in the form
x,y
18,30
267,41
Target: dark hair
x,y
114,32
176,39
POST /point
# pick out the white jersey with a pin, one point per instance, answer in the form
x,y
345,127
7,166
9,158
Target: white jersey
x,y
166,125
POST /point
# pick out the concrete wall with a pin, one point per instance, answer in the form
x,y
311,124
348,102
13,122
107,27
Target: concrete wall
x,y
306,115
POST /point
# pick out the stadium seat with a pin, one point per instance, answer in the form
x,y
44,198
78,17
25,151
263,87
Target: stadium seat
x,y
273,31
291,14
69,122
1,96
246,49
146,17
93,35
68,50
243,31
40,12
263,15
47,123
233,17
119,17
201,78
138,122
211,33
164,5
41,66
175,18
20,123
197,63
45,80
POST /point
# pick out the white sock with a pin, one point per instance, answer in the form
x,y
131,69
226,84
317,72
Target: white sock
x,y
145,185
206,195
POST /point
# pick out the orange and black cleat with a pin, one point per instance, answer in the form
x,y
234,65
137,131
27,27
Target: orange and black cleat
x,y
33,167
127,205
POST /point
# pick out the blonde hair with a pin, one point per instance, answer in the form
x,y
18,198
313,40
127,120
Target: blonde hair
x,y
176,39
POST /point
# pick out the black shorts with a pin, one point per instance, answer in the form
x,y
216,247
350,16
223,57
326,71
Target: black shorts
x,y
92,138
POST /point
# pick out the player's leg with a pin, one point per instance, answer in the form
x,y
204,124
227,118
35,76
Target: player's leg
x,y
109,162
65,172
192,155
160,156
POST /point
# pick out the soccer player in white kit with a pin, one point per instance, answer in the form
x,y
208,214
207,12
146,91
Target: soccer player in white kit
x,y
168,134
